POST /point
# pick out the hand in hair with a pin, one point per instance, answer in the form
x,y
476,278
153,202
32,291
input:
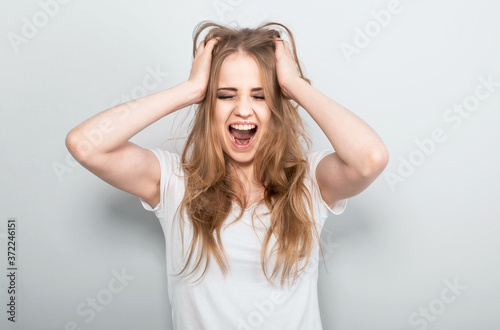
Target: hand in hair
x,y
200,69
286,66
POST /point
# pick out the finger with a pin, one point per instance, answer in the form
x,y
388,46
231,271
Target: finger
x,y
211,43
279,45
287,48
283,48
209,46
200,48
278,41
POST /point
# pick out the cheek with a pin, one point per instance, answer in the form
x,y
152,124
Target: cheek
x,y
219,116
265,116
221,132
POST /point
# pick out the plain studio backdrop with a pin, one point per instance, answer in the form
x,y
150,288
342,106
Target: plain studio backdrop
x,y
419,249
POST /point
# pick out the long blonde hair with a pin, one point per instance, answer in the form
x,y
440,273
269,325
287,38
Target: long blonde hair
x,y
279,163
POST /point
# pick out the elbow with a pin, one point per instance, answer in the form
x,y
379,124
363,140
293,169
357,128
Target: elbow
x,y
71,143
77,146
376,162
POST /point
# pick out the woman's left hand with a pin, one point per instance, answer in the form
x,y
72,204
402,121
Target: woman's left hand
x,y
286,66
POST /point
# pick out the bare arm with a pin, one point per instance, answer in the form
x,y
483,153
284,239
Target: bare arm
x,y
101,143
360,155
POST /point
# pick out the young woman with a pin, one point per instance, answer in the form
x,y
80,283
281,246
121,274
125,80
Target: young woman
x,y
244,191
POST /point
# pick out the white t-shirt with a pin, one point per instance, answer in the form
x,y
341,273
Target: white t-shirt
x,y
245,299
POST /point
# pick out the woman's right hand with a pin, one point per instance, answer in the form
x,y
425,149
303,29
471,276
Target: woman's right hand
x,y
200,69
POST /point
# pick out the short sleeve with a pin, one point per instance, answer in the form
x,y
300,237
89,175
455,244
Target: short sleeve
x,y
314,158
168,166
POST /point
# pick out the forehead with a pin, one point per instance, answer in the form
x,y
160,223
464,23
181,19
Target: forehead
x,y
239,70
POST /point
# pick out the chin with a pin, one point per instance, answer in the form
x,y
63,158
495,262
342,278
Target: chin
x,y
243,159
240,157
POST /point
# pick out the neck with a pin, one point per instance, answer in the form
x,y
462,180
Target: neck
x,y
246,173
253,190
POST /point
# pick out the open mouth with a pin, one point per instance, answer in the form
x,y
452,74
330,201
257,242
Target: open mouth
x,y
242,134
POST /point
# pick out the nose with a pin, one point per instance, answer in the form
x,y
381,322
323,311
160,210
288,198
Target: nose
x,y
243,108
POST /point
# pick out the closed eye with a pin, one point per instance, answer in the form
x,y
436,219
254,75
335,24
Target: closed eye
x,y
224,97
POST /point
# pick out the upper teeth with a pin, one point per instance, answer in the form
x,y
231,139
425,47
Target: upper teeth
x,y
243,127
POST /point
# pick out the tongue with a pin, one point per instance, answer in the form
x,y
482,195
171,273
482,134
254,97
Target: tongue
x,y
241,134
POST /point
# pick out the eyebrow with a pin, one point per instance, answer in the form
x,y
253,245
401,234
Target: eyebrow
x,y
255,89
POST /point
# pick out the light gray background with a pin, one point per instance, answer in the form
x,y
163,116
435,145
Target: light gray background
x,y
388,256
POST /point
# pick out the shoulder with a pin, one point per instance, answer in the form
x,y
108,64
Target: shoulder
x,y
313,160
314,157
172,172
167,159
171,184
